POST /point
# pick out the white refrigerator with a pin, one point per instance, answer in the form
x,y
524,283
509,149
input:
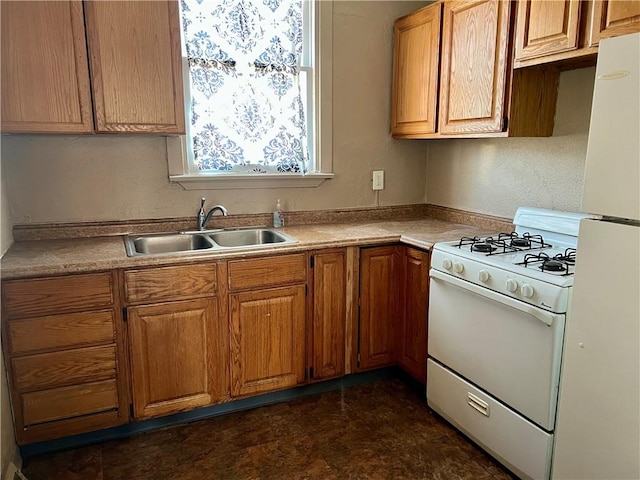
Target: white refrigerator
x,y
598,423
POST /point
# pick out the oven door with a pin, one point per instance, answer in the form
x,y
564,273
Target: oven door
x,y
506,347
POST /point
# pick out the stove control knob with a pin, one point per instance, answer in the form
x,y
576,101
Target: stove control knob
x,y
483,275
447,263
458,267
527,290
512,285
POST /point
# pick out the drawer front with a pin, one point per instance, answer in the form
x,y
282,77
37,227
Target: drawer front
x,y
24,298
169,283
61,331
264,272
489,423
63,368
68,402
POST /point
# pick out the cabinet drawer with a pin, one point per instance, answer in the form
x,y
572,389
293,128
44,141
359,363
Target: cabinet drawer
x,y
60,331
69,402
24,298
169,283
62,368
264,272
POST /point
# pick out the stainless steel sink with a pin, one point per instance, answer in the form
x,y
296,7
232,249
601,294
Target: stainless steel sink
x,y
249,238
162,243
166,243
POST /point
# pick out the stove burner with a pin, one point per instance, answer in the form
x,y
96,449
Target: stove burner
x,y
520,242
483,247
553,266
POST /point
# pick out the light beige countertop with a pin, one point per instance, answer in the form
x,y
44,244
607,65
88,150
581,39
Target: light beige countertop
x,y
64,256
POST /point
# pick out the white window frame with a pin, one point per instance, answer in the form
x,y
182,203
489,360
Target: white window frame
x,y
321,127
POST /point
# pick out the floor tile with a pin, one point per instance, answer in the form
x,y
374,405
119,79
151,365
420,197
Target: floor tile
x,y
382,430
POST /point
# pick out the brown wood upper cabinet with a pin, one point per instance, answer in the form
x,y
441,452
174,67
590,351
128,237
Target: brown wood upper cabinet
x,y
136,75
614,17
478,93
64,351
416,53
178,339
547,27
568,31
475,42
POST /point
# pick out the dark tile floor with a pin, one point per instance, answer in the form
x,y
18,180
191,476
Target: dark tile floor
x,y
379,430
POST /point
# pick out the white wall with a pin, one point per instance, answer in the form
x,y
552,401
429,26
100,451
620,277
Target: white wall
x,y
496,176
92,178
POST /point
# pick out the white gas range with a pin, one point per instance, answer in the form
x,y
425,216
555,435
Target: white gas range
x,y
497,312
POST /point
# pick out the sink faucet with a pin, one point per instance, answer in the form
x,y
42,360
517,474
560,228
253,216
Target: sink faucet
x,y
203,218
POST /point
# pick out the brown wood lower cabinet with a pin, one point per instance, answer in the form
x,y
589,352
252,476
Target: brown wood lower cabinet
x,y
176,362
64,349
328,317
379,305
267,339
204,333
412,350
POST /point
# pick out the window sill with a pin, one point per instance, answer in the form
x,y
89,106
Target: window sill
x,y
230,181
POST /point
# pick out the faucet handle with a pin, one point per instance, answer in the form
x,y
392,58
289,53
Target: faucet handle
x,y
202,200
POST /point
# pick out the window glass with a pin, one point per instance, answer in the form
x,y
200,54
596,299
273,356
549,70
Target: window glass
x,y
249,101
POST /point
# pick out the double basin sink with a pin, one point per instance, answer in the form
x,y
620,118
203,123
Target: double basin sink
x,y
217,240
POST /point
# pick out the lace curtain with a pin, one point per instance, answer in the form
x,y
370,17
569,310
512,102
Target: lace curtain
x,y
246,110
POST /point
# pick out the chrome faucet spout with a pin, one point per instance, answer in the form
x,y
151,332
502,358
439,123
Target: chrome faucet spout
x,y
203,218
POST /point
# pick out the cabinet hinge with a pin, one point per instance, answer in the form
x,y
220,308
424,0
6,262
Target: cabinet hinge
x,y
505,124
311,372
312,262
124,315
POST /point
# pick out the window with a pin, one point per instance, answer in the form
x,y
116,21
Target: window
x,y
251,94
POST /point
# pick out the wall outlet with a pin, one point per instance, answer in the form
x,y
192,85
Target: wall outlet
x,y
378,179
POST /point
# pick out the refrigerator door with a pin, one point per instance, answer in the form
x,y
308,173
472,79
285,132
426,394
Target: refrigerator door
x,y
598,424
612,171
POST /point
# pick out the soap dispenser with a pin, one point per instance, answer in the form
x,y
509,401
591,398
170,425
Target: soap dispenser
x,y
278,218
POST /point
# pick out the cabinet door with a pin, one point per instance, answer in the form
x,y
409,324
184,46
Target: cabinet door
x,y
473,72
267,339
545,27
413,338
612,18
177,360
45,74
136,67
379,304
329,314
416,50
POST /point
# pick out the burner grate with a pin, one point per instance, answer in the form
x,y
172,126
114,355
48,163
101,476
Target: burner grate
x,y
504,243
560,264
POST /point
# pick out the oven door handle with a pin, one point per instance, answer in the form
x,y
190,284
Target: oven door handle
x,y
542,315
